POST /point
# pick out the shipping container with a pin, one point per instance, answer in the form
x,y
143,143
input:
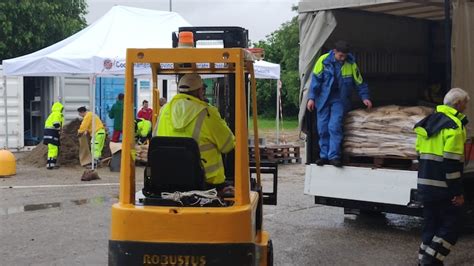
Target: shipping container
x,y
11,112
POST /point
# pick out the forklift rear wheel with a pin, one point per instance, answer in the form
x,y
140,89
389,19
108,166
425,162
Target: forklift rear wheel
x,y
270,253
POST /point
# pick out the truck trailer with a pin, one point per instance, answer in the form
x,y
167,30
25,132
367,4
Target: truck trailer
x,y
409,53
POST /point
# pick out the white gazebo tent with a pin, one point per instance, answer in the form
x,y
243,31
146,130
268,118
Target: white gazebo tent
x,y
100,49
267,70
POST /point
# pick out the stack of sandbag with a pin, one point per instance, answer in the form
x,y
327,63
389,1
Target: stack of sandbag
x,y
383,131
142,152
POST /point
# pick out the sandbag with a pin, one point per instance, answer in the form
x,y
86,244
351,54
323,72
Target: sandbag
x,y
85,156
383,131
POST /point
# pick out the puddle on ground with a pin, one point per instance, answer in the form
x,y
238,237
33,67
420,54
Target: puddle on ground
x,y
57,205
384,221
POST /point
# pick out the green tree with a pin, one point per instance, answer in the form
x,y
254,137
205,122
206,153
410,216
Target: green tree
x,y
281,46
29,25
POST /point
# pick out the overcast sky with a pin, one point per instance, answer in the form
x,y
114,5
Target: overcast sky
x,y
260,17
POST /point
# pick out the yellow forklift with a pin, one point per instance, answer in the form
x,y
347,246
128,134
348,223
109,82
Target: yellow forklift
x,y
150,230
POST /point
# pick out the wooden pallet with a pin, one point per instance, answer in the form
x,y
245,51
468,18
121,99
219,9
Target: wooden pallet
x,y
284,154
391,162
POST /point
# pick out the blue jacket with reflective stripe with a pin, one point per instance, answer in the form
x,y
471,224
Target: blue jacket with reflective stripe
x,y
323,79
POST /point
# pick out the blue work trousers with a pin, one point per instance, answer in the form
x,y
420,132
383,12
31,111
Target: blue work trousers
x,y
330,118
441,221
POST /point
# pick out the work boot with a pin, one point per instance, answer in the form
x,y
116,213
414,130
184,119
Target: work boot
x,y
322,161
335,162
50,164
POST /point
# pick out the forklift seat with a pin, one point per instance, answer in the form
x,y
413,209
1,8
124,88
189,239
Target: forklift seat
x,y
174,164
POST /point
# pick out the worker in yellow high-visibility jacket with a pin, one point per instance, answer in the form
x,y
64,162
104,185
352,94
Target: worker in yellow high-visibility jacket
x,y
86,128
188,115
440,145
52,133
142,130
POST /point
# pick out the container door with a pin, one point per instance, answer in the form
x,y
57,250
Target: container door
x,y
75,93
14,111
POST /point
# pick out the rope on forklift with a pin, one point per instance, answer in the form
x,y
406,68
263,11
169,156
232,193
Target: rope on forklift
x,y
203,197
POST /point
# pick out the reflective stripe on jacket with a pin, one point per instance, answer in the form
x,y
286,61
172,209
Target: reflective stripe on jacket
x,y
86,124
440,145
187,116
323,79
53,125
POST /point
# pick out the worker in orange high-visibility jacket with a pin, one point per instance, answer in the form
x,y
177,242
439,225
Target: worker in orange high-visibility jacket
x,y
440,145
188,115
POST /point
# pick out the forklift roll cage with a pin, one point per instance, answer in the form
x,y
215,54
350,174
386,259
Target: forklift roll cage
x,y
230,235
183,61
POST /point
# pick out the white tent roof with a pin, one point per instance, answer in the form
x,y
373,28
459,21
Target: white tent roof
x,y
266,70
101,47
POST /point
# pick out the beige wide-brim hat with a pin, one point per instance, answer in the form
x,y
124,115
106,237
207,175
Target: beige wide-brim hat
x,y
190,82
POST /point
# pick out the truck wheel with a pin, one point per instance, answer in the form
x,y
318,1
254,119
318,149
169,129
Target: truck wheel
x,y
270,253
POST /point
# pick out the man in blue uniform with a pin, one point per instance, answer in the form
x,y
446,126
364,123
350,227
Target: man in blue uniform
x,y
440,145
335,74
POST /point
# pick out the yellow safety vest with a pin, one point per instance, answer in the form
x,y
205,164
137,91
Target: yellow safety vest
x,y
187,116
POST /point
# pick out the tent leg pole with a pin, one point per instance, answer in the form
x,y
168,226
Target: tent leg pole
x,y
93,79
278,115
5,102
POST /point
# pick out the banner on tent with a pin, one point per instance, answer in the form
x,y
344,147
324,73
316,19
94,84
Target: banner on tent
x,y
118,65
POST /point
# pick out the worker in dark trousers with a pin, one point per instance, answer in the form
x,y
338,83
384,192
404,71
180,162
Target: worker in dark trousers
x,y
440,145
52,132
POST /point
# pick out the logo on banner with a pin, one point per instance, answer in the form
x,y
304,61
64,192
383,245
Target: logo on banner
x,y
108,64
